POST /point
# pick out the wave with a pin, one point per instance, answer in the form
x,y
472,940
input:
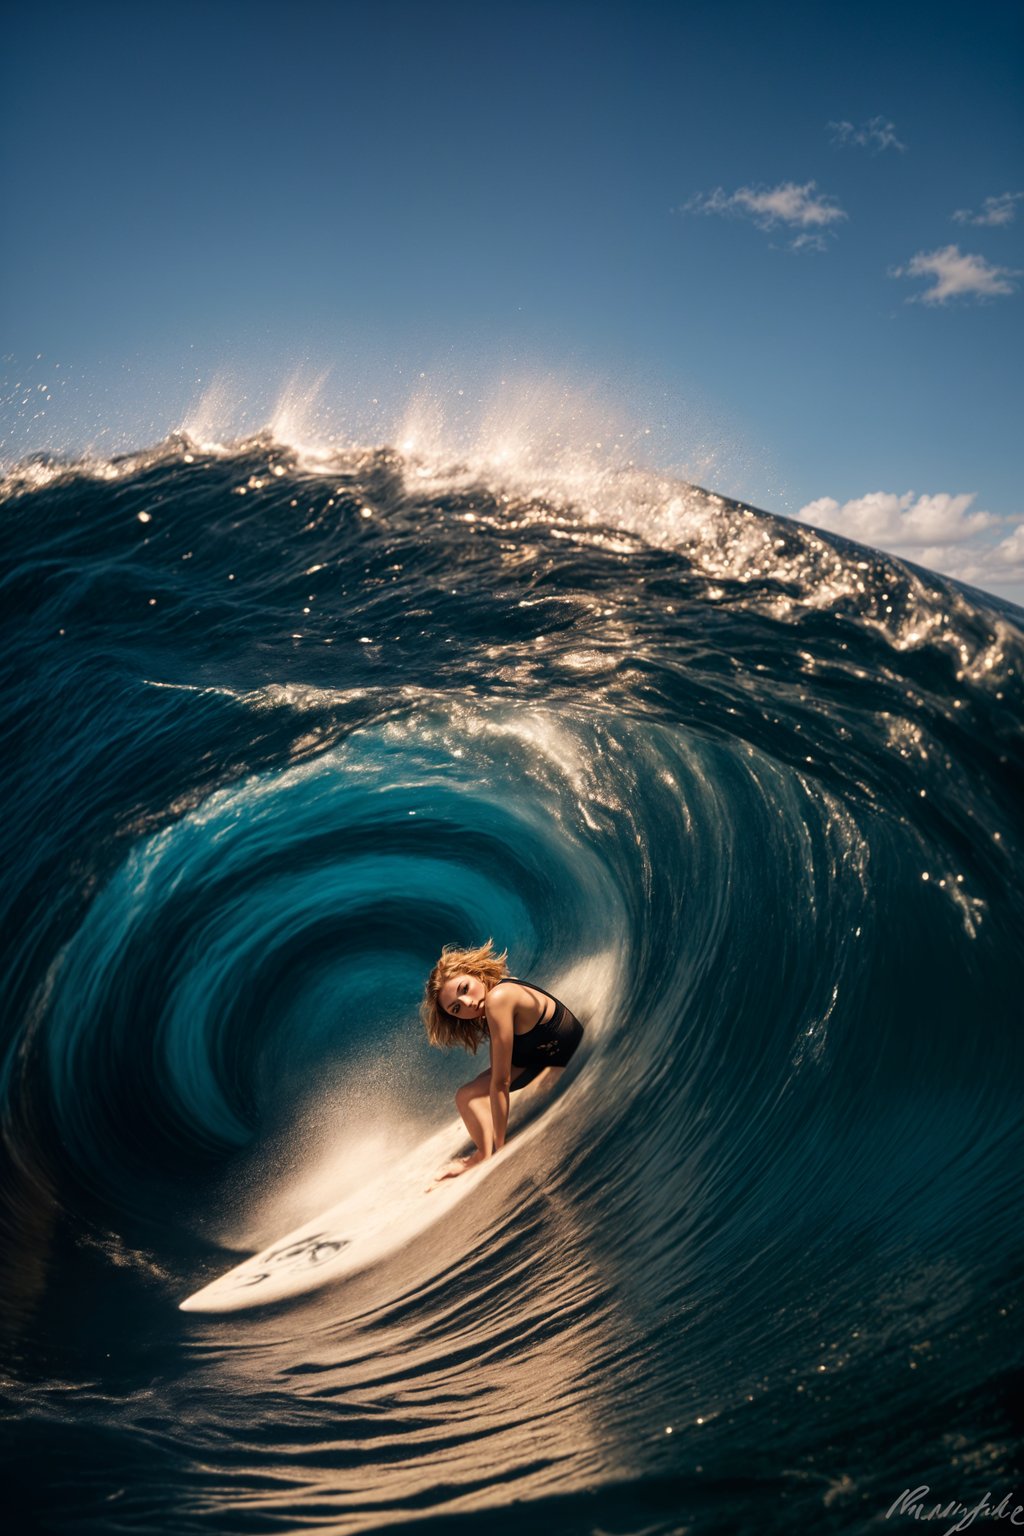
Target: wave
x,y
745,793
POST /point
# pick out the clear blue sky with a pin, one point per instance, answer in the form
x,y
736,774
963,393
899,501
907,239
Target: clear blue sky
x,y
609,191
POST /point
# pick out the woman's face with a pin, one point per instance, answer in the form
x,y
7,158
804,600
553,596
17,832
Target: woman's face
x,y
463,997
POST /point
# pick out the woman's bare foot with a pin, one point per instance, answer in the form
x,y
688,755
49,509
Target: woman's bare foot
x,y
453,1169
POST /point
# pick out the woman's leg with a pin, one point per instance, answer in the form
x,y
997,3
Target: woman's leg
x,y
473,1101
474,1105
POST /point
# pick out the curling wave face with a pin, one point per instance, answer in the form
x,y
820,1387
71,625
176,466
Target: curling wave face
x,y
747,796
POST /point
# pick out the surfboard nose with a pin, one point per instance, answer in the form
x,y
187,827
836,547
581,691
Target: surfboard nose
x,y
193,1303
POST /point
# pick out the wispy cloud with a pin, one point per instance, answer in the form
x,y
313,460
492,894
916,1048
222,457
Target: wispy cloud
x,y
994,211
908,521
876,134
944,532
795,206
1010,554
956,274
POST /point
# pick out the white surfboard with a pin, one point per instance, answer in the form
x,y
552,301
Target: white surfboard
x,y
364,1227
369,1224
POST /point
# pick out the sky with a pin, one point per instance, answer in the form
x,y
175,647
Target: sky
x,y
782,243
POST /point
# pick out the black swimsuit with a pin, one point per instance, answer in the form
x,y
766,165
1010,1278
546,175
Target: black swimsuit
x,y
550,1043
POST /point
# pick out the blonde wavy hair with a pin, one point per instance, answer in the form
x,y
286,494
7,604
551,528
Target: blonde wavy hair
x,y
442,1027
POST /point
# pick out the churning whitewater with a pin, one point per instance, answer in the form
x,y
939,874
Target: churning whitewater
x,y
279,725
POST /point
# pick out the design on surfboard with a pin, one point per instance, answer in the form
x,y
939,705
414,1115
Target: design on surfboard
x,y
312,1251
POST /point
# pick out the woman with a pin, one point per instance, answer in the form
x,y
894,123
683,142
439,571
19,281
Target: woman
x,y
471,997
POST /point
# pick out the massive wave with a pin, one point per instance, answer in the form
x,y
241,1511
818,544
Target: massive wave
x,y
279,724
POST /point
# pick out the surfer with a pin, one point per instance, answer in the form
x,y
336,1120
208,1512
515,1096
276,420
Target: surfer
x,y
471,997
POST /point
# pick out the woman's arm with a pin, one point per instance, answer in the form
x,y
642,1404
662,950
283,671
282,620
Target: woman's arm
x,y
500,1012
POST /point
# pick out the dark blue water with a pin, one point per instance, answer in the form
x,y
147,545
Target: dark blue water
x,y
748,797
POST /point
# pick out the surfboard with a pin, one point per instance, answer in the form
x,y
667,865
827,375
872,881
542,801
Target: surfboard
x,y
366,1226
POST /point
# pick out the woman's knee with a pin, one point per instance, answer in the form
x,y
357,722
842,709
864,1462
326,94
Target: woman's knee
x,y
477,1089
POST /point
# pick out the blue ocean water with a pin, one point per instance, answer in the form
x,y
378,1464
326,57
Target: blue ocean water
x,y
279,725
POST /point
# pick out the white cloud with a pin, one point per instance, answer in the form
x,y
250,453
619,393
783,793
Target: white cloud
x,y
876,134
1012,548
909,521
997,568
994,211
1009,552
798,207
956,274
808,242
942,532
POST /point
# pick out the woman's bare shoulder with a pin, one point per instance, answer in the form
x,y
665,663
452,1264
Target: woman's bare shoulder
x,y
507,991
